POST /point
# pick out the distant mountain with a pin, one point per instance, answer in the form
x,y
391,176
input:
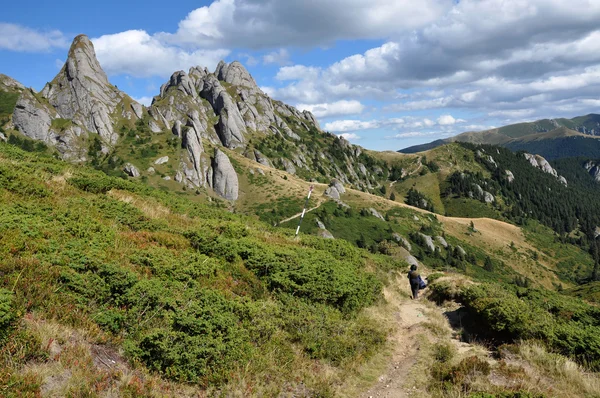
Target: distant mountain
x,y
551,138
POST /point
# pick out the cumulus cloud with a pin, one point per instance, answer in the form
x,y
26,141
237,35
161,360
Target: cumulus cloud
x,y
279,57
350,136
138,54
338,108
274,23
448,120
351,125
20,38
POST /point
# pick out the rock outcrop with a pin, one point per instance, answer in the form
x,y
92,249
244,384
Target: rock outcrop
x,y
542,164
225,179
131,170
81,100
594,169
335,189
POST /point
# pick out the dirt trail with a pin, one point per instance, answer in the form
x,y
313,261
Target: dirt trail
x,y
408,315
299,214
406,344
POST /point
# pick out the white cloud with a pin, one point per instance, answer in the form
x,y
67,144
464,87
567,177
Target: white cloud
x,y
447,120
272,23
297,72
136,53
279,57
351,125
338,108
413,134
350,136
147,101
20,38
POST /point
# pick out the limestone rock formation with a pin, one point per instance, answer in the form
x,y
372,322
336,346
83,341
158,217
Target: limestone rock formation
x,y
542,164
131,170
81,99
335,189
375,213
428,240
442,241
509,175
402,241
162,160
594,169
225,179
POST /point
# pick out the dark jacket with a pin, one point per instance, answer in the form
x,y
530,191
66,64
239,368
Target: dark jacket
x,y
413,277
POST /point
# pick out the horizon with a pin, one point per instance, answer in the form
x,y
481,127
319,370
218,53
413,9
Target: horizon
x,y
404,74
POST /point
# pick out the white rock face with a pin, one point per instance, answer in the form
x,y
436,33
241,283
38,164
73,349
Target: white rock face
x,y
442,241
131,170
428,241
509,175
162,160
402,241
542,164
594,169
375,213
225,180
335,189
488,197
80,93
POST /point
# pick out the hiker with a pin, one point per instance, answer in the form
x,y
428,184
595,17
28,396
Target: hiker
x,y
416,282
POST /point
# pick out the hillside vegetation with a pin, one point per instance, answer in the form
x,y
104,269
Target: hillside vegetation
x,y
188,291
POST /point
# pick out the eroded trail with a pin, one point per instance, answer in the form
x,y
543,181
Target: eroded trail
x,y
408,315
410,343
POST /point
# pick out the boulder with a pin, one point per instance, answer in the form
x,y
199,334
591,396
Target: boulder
x,y
488,197
225,179
428,241
131,170
162,160
441,241
402,241
509,175
375,213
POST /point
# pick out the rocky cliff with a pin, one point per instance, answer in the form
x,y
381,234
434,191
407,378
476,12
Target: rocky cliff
x,y
86,118
542,164
76,106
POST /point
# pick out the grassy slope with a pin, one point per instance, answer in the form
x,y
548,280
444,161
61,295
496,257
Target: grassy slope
x,y
149,277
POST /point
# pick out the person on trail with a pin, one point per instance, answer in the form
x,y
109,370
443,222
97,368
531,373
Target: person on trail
x,y
415,281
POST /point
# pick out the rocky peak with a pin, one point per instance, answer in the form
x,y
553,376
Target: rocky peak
x,y
9,84
235,74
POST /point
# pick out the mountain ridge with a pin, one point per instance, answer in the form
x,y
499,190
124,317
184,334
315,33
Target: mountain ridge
x,y
87,119
520,136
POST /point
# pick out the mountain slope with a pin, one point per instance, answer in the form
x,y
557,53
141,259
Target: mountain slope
x,y
551,138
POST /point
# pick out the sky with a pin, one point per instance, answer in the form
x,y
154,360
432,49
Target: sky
x,y
386,74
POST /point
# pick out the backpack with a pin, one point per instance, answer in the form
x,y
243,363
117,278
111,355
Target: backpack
x,y
422,284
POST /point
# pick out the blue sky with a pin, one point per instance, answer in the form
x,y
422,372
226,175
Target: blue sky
x,y
386,74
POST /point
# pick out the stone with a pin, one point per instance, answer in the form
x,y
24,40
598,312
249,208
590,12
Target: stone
x,y
509,175
131,170
235,74
179,176
225,179
488,197
593,169
323,233
162,160
167,178
442,241
375,213
402,241
231,127
461,251
151,170
428,241
138,109
289,166
2,137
